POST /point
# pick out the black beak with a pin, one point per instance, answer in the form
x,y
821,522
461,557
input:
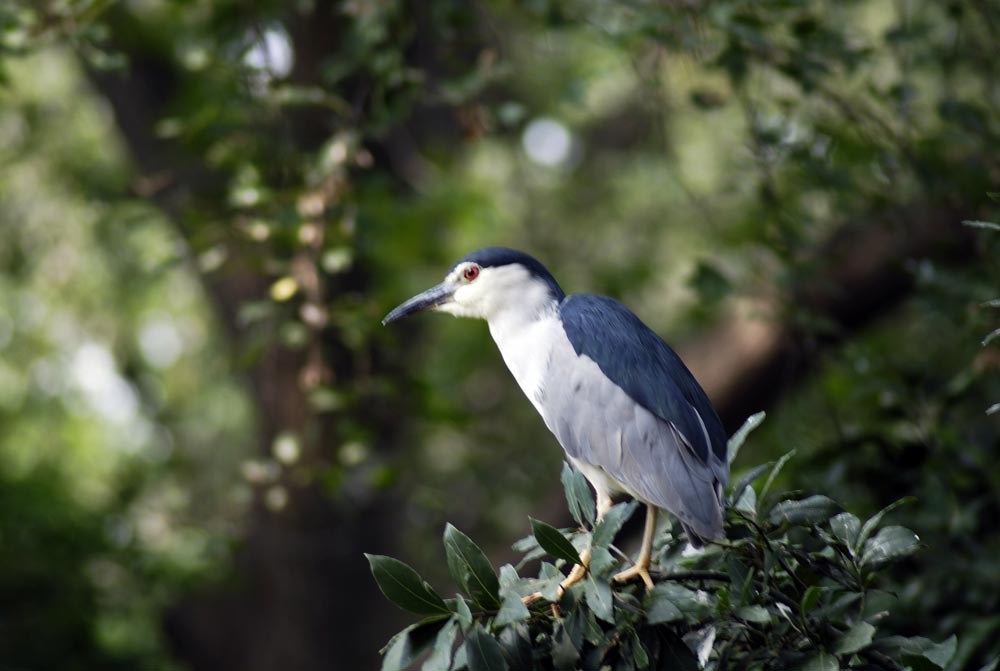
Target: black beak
x,y
433,297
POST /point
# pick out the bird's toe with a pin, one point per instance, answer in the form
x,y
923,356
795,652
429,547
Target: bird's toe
x,y
531,598
636,571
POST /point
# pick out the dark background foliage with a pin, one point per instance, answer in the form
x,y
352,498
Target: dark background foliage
x,y
207,207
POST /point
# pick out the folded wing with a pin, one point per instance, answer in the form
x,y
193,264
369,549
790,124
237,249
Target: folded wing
x,y
628,405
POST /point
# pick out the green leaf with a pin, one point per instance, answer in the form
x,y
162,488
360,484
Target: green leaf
x,y
611,523
526,544
839,605
747,502
674,653
470,568
602,563
846,527
512,588
820,661
746,479
461,660
552,541
804,512
564,653
398,655
740,578
938,654
856,638
993,335
809,600
774,473
444,643
660,608
516,646
529,546
889,544
549,582
989,225
578,495
738,438
877,603
404,587
405,647
512,610
636,650
876,519
483,652
756,614
576,624
665,600
509,579
598,594
462,612
593,633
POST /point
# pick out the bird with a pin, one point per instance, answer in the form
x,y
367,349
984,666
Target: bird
x,y
629,414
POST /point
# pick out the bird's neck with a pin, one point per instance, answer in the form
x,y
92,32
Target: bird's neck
x,y
510,323
525,340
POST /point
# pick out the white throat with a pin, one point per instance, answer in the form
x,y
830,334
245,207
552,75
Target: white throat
x,y
525,343
517,302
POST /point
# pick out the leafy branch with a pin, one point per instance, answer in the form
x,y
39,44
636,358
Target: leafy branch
x,y
794,586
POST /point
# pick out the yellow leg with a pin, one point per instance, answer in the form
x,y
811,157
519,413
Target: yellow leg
x,y
603,505
641,567
579,570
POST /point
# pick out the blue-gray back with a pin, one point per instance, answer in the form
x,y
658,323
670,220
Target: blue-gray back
x,y
646,368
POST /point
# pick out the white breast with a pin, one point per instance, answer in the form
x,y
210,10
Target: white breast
x,y
530,350
526,347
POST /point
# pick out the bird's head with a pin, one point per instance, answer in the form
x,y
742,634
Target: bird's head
x,y
486,284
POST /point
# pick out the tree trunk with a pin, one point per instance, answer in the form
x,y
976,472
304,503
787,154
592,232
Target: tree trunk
x,y
303,598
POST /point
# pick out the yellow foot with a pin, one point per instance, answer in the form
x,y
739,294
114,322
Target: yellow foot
x,y
637,570
575,576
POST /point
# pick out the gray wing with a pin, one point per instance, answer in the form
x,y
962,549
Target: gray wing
x,y
632,356
596,422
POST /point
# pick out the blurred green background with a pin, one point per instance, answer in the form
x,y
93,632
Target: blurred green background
x,y
206,207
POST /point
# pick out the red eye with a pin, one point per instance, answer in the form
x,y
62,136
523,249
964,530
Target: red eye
x,y
471,273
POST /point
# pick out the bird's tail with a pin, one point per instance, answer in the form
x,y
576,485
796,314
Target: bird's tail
x,y
698,540
714,529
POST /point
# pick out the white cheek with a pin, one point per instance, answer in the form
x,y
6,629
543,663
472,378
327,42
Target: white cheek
x,y
465,302
469,295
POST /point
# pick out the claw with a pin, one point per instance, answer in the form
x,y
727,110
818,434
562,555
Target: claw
x,y
531,598
575,576
637,570
641,567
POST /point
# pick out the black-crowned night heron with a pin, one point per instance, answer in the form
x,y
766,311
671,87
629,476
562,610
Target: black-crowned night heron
x,y
622,404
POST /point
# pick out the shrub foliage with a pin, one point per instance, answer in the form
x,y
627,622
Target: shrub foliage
x,y
796,585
